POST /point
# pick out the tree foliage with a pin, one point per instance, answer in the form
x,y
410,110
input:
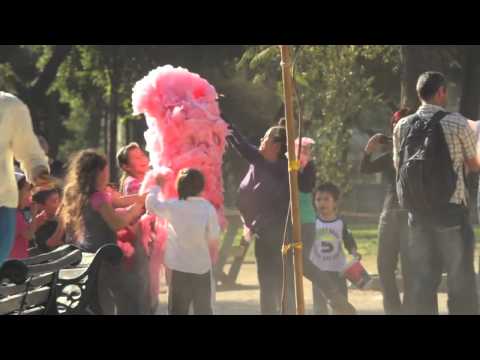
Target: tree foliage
x,y
334,90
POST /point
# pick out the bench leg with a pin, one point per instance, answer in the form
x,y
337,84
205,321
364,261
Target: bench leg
x,y
224,252
237,263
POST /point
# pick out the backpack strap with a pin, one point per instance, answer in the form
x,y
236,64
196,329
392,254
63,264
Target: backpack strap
x,y
438,116
413,118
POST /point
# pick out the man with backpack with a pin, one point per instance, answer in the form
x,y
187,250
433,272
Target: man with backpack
x,y
432,149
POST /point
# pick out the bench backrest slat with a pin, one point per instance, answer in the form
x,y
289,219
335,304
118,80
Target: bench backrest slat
x,y
38,310
37,281
38,296
48,291
50,256
68,260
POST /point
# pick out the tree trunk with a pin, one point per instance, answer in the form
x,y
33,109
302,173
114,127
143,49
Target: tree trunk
x,y
105,118
54,132
128,135
113,112
46,78
95,125
138,128
469,102
417,59
36,96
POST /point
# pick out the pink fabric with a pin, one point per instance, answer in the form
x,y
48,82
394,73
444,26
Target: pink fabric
x,y
306,150
125,241
20,247
305,141
185,130
154,242
131,186
99,198
156,268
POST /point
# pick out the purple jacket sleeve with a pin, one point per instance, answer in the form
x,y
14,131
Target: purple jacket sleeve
x,y
243,147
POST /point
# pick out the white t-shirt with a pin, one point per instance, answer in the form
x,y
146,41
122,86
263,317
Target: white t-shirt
x,y
193,225
327,250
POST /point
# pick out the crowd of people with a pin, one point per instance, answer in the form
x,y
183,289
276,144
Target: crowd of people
x,y
44,205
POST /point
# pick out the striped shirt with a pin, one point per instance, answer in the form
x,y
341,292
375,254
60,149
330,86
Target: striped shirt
x,y
460,138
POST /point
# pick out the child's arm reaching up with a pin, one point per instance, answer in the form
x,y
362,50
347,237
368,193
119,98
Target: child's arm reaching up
x,y
124,201
155,206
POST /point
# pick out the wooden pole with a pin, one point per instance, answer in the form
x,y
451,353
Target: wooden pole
x,y
294,167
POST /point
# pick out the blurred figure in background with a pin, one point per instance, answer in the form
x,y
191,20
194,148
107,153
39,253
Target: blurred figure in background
x,y
393,224
57,168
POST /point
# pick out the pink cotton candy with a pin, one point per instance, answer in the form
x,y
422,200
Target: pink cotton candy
x,y
306,141
185,130
306,150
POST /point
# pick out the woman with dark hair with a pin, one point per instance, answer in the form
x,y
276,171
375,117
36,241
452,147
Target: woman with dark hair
x,y
263,201
393,224
91,221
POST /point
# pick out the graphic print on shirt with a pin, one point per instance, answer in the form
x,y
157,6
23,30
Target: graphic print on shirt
x,y
327,252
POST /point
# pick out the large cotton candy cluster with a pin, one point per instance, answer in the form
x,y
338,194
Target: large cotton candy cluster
x,y
185,129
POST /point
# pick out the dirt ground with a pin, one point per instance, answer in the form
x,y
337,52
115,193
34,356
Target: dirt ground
x,y
245,301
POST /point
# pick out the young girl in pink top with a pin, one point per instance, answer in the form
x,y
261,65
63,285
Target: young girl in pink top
x,y
24,231
135,164
92,219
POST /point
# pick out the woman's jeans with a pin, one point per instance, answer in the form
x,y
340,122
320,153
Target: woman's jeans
x,y
268,245
7,232
393,238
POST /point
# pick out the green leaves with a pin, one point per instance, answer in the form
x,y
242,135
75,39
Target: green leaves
x,y
266,55
335,90
8,78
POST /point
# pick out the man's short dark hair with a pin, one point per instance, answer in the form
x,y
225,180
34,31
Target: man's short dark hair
x,y
190,182
429,83
329,188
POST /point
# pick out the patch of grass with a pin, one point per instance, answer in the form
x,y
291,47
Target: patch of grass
x,y
366,236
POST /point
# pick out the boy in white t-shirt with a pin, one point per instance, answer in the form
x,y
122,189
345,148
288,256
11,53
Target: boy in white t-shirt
x,y
192,245
331,235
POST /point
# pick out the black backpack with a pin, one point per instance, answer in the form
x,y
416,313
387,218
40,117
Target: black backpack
x,y
426,179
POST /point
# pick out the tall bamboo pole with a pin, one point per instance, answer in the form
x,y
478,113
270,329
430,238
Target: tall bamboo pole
x,y
293,167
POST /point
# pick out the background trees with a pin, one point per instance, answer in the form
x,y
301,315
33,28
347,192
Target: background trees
x,y
79,95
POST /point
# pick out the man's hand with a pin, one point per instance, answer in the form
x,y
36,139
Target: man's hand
x,y
374,143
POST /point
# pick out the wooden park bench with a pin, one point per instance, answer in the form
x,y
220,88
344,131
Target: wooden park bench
x,y
228,280
36,286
